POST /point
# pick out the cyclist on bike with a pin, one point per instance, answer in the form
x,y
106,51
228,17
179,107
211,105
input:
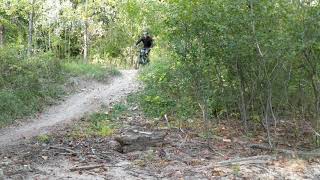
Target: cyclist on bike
x,y
147,42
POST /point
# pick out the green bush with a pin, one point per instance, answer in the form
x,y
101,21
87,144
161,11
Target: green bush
x,y
26,84
163,92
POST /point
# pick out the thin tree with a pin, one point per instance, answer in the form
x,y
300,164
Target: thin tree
x,y
30,31
85,35
1,35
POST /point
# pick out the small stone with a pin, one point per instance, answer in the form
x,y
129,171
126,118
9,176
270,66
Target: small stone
x,y
114,145
177,175
162,153
227,140
5,163
26,167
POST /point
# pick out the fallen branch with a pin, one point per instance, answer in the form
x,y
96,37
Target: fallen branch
x,y
64,149
215,151
315,153
247,160
67,154
138,173
312,129
84,168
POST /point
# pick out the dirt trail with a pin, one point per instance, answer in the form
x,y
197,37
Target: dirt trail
x,y
74,107
183,154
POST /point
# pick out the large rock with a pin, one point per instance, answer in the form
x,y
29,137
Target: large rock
x,y
134,140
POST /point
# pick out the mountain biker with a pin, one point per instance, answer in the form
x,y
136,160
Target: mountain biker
x,y
147,41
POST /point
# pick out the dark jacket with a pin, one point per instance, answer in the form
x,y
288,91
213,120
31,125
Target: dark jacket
x,y
147,42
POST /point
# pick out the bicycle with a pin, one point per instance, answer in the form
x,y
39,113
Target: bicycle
x,y
143,58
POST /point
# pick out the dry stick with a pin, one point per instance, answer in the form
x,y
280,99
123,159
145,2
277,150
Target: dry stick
x,y
248,160
267,123
315,153
83,168
261,167
313,130
205,120
184,141
65,149
270,104
216,151
138,174
66,154
167,120
242,104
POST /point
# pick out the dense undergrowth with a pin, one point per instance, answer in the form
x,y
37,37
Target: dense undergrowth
x,y
28,84
162,93
251,62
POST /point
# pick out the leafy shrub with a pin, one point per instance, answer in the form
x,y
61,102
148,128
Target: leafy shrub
x,y
26,84
164,91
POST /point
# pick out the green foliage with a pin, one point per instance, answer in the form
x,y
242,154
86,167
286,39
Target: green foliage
x,y
100,125
163,93
44,138
236,170
117,110
26,84
253,60
94,71
13,16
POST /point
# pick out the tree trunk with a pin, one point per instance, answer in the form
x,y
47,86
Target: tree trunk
x,y
65,42
85,36
30,31
69,41
49,40
243,106
268,111
1,35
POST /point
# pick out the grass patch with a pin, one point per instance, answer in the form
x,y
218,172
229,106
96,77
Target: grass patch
x,y
101,124
44,138
94,71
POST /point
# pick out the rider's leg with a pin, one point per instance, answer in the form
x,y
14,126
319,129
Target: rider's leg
x,y
147,55
141,56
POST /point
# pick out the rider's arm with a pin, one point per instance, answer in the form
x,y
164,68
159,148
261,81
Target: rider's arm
x,y
139,41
